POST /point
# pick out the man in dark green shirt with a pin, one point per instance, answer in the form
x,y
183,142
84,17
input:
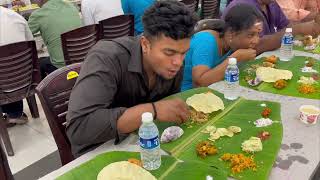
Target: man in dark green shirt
x,y
122,78
51,20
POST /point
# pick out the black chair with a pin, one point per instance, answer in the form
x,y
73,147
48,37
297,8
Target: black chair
x,y
54,93
19,75
117,26
191,4
210,9
77,43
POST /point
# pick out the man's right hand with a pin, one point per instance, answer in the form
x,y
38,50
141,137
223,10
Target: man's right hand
x,y
244,54
173,110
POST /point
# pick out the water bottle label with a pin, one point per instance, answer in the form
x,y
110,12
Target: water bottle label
x,y
149,143
231,77
287,40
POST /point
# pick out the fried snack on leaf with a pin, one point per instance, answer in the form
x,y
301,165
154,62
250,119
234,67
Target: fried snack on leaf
x,y
271,59
280,84
266,112
310,62
206,148
239,162
306,89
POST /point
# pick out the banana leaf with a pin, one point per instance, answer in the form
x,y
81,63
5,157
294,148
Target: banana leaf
x,y
191,129
243,115
295,66
184,162
170,168
301,48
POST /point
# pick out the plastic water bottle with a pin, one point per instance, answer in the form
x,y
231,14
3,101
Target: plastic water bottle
x,y
149,143
231,77
286,48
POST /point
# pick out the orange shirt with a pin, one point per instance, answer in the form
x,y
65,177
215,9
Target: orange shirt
x,y
296,10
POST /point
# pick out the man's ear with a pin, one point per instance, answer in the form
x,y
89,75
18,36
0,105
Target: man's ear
x,y
145,44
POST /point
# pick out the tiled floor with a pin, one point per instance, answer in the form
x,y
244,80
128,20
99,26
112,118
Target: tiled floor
x,y
31,141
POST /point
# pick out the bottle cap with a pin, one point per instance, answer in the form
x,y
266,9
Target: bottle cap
x,y
147,117
289,30
232,61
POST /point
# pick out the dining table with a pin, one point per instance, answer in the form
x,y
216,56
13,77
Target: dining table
x,y
299,154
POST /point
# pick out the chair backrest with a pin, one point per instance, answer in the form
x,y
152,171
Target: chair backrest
x,y
191,4
77,43
210,9
19,71
54,93
118,26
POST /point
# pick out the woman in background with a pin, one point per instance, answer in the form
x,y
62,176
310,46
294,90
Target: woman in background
x,y
216,40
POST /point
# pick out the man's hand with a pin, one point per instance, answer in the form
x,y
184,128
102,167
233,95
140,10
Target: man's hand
x,y
173,110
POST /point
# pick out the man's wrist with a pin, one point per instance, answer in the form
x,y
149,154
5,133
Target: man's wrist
x,y
155,113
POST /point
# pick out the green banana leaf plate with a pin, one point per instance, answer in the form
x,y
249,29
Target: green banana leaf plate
x,y
243,115
171,168
295,66
301,48
191,129
183,161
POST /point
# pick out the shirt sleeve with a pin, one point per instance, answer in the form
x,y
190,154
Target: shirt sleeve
x,y
90,120
280,18
28,35
125,6
34,23
205,50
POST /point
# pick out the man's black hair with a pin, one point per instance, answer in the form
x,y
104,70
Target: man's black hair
x,y
169,18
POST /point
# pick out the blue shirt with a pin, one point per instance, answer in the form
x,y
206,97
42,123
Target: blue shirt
x,y
136,8
203,50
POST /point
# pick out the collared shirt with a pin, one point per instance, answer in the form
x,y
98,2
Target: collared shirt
x,y
94,11
111,80
13,27
137,8
53,19
274,19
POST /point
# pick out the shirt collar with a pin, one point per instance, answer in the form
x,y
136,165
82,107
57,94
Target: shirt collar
x,y
135,63
133,46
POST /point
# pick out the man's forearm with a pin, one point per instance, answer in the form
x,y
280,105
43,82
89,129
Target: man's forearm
x,y
131,118
269,42
305,28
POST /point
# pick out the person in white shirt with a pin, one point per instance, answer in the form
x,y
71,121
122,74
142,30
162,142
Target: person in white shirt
x,y
94,11
13,28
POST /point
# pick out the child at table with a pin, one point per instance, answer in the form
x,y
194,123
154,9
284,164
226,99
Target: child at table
x,y
216,40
